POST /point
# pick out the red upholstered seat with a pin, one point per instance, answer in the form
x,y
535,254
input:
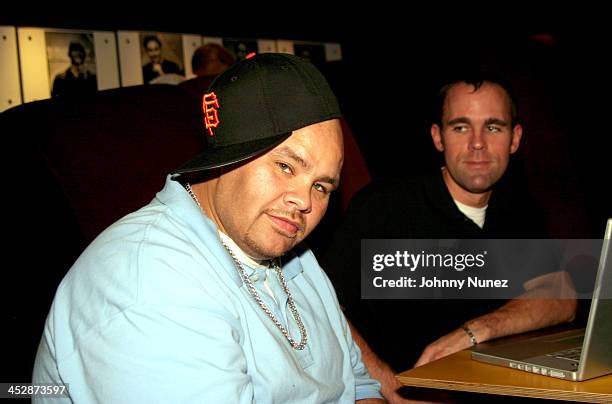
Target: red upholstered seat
x,y
72,168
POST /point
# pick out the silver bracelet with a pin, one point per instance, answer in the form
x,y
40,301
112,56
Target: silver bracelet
x,y
470,334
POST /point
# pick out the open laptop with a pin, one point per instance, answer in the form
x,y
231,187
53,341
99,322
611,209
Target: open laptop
x,y
577,354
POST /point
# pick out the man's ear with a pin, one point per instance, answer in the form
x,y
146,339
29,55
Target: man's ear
x,y
517,134
436,136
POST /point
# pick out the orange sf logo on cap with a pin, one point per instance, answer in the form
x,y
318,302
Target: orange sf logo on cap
x,y
211,116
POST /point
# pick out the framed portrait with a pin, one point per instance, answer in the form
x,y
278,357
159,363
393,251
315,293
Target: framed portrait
x,y
10,91
333,52
71,58
61,63
240,48
155,57
311,51
161,55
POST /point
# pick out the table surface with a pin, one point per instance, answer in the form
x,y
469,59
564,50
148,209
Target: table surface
x,y
459,372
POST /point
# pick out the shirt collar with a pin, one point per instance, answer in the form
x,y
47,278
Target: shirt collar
x,y
241,255
256,270
289,263
438,195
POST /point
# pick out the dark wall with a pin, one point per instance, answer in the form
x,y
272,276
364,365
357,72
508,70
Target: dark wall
x,y
561,82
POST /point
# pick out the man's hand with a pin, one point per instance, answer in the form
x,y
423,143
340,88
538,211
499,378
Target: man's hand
x,y
444,346
157,68
540,306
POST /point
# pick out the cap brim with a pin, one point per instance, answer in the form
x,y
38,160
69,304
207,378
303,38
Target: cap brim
x,y
226,155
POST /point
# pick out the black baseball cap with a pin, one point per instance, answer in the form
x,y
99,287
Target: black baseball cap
x,y
256,104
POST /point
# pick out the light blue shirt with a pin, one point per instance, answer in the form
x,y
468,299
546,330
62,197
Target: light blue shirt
x,y
154,311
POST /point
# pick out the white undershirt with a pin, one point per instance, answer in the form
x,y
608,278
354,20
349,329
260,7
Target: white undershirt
x,y
250,261
477,215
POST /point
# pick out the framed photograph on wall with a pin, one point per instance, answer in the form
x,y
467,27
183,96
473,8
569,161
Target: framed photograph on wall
x,y
240,48
156,57
311,51
61,63
71,58
162,57
333,52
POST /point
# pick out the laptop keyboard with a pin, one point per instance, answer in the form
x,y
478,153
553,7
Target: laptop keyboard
x,y
572,354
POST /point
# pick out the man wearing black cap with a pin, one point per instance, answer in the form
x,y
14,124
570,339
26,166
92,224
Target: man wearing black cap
x,y
206,294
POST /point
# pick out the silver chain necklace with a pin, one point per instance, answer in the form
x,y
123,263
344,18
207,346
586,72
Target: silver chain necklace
x,y
251,288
